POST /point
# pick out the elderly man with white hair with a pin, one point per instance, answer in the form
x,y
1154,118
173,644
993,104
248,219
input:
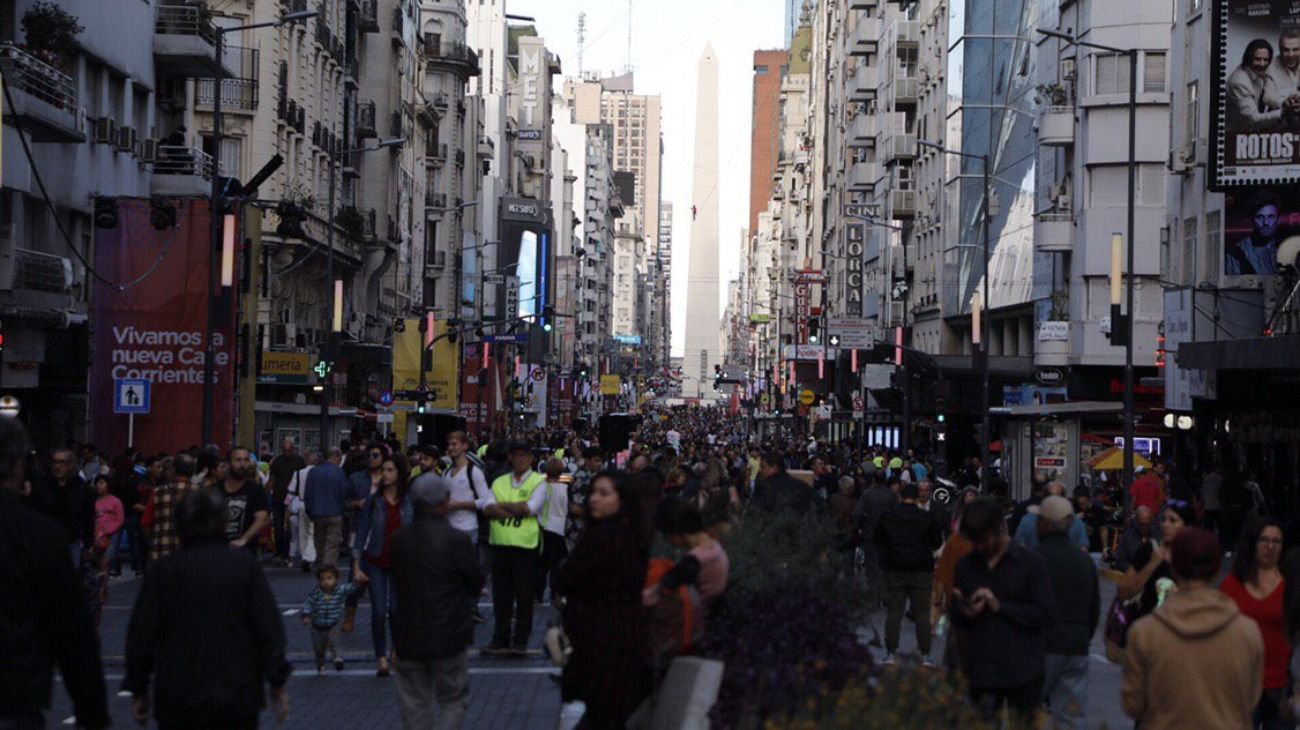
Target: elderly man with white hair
x,y
1078,608
1027,532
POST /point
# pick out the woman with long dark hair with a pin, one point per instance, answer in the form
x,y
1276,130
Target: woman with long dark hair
x,y
1150,575
1258,588
383,513
601,583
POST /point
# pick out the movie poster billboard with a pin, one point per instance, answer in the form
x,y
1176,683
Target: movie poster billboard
x,y
1256,219
1256,96
151,324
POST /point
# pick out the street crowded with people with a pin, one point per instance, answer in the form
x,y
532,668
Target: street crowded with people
x,y
688,573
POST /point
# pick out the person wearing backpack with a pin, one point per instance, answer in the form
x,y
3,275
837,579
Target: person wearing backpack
x,y
469,492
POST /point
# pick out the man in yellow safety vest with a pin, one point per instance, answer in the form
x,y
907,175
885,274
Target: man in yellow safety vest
x,y
515,538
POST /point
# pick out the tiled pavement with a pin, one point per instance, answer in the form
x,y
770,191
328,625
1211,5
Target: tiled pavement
x,y
504,693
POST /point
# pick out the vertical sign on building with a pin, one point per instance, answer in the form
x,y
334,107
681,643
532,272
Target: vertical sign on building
x,y
854,239
802,309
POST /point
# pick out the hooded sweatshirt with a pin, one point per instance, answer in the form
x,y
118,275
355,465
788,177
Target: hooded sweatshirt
x,y
1193,662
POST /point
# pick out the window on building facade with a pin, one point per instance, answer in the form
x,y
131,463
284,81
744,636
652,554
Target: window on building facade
x,y
1187,268
1153,72
1192,124
1111,73
1213,247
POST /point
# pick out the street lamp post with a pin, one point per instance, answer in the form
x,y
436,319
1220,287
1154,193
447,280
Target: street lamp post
x,y
214,212
982,353
336,287
1124,330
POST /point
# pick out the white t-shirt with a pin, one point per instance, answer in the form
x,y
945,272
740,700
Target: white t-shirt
x,y
557,506
461,491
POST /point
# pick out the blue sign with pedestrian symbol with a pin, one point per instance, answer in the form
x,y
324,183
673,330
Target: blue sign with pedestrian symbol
x,y
131,396
386,398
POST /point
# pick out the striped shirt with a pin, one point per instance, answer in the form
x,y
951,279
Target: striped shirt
x,y
326,609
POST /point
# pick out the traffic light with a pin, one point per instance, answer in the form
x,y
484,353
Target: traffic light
x,y
814,327
453,329
105,212
426,359
162,215
833,340
420,407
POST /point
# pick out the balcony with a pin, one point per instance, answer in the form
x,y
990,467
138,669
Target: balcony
x,y
182,171
865,83
864,5
368,18
436,154
864,40
1054,232
906,89
486,148
863,177
184,43
366,127
1056,126
1052,345
907,34
44,98
862,132
460,158
435,202
901,147
238,95
457,56
902,204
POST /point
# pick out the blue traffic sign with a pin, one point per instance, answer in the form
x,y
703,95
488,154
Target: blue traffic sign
x,y
386,398
506,339
131,396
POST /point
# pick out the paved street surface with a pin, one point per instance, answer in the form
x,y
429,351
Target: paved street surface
x,y
504,693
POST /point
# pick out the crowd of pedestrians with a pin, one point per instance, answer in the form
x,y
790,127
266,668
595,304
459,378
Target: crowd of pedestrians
x,y
624,540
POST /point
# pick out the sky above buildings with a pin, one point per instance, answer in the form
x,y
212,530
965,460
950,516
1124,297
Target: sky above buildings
x,y
667,39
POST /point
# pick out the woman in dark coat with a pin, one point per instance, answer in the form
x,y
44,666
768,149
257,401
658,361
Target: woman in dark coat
x,y
609,669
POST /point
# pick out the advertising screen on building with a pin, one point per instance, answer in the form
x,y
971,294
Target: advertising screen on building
x,y
1256,116
1257,219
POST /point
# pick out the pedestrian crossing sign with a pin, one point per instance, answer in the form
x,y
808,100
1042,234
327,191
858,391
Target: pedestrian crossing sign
x,y
131,396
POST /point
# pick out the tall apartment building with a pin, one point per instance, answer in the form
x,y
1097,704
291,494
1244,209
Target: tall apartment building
x,y
636,126
765,131
1231,316
664,253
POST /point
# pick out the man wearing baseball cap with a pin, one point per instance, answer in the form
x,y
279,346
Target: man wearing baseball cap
x,y
1078,608
515,539
435,576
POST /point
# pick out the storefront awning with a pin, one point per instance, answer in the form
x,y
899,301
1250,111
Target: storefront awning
x,y
1058,409
1255,353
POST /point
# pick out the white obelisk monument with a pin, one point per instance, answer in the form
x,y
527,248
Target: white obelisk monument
x,y
703,321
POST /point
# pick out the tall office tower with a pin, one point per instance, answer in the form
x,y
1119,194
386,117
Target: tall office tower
x,y
703,343
765,131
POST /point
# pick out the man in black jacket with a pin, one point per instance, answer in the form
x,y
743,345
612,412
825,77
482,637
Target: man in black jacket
x,y
65,497
1078,608
206,628
776,491
907,537
44,619
435,575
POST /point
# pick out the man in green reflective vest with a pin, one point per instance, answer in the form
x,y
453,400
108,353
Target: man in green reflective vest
x,y
515,538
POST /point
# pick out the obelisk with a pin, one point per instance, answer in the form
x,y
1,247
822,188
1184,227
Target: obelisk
x,y
703,322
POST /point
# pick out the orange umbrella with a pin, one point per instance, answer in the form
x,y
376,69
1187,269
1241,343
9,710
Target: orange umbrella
x,y
1112,459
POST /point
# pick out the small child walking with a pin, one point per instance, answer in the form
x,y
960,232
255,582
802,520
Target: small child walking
x,y
323,612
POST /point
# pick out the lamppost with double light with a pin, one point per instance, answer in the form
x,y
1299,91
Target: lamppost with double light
x,y
979,324
1121,324
216,219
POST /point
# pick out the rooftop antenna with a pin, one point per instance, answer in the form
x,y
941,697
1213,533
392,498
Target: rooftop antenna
x,y
629,36
582,39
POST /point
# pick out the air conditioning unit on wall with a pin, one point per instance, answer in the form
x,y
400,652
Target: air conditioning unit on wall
x,y
105,131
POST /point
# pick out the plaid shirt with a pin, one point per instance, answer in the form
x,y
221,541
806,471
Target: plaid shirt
x,y
326,609
164,538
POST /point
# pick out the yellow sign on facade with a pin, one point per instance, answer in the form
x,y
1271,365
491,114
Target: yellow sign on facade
x,y
284,367
610,384
442,380
807,397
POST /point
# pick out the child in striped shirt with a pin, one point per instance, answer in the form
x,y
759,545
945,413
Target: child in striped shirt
x,y
323,612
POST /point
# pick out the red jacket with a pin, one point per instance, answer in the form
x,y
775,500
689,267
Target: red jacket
x,y
1148,490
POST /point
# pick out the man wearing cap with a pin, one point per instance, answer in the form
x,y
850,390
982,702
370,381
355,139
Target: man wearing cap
x,y
1078,607
515,539
1027,531
436,576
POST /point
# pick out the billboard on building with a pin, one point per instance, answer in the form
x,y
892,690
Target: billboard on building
x,y
442,380
1256,220
153,326
1255,134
